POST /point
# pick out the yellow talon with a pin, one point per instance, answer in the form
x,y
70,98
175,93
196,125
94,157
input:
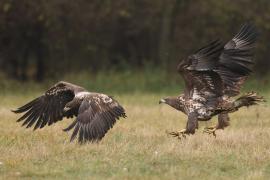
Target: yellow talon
x,y
210,130
179,134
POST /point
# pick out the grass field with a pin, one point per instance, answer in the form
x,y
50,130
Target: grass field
x,y
137,147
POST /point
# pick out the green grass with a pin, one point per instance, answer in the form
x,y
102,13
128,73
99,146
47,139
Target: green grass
x,y
128,82
137,147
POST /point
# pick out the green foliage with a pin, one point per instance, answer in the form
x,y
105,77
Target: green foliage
x,y
148,81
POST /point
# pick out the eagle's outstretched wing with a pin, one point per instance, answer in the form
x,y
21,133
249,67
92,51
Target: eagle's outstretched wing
x,y
235,62
97,114
215,70
202,82
48,108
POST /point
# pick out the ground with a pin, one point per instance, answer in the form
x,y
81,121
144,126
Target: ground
x,y
137,147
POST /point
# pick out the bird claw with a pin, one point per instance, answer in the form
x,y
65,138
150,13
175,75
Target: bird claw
x,y
210,130
179,134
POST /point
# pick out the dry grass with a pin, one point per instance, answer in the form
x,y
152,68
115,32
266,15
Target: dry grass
x,y
137,147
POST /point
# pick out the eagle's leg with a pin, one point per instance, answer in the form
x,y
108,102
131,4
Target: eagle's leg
x,y
223,121
192,124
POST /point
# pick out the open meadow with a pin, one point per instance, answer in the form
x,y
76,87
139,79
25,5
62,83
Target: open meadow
x,y
137,147
137,52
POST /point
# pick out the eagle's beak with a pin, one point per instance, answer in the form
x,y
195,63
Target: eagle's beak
x,y
161,101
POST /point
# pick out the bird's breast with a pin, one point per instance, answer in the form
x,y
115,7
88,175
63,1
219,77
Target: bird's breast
x,y
199,108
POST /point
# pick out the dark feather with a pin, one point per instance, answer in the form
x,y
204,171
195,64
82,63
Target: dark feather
x,y
215,70
75,132
97,114
48,108
236,60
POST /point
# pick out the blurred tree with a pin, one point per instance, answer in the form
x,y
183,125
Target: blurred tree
x,y
42,38
22,38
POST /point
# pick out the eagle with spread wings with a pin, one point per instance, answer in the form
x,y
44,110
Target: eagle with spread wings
x,y
213,75
95,113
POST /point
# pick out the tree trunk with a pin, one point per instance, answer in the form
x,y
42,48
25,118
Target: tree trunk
x,y
164,47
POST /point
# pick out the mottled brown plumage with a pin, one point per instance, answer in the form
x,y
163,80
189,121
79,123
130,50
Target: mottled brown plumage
x,y
96,113
213,75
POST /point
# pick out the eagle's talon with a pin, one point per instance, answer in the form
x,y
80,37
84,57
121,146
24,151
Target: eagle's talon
x,y
179,134
210,130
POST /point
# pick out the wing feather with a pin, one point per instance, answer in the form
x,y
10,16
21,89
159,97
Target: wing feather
x,y
236,59
48,108
215,70
197,70
39,122
97,114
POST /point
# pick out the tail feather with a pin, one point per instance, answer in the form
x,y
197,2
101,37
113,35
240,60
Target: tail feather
x,y
249,99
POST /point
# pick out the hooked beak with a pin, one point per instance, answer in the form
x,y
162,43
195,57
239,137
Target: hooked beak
x,y
161,101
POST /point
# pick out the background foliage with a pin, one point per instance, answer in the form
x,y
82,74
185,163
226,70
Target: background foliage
x,y
45,39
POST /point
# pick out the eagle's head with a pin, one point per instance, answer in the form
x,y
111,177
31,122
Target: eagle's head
x,y
175,102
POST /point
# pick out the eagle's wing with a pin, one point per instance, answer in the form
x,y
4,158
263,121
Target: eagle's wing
x,y
48,108
215,70
97,114
202,82
236,60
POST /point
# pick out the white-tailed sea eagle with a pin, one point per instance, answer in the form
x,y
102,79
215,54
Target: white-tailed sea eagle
x,y
95,113
213,75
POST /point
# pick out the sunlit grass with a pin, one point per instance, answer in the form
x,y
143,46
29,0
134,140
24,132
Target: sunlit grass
x,y
137,147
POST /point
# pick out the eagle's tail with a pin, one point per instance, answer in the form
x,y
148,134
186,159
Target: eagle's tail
x,y
248,99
